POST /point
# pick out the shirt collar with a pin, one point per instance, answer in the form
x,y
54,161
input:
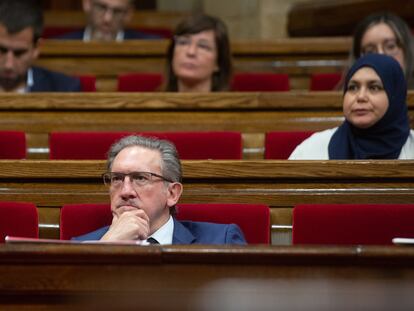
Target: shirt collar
x,y
164,235
29,83
87,35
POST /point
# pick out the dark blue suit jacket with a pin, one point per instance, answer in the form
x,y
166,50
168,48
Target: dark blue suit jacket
x,y
189,232
129,34
49,81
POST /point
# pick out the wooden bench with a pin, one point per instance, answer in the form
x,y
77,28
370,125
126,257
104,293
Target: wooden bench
x,y
296,57
109,277
279,184
253,114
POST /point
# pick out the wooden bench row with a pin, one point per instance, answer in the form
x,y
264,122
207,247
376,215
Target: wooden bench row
x,y
105,277
279,184
252,114
297,57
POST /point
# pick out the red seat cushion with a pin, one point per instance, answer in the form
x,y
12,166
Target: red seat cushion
x,y
12,145
139,82
253,219
339,224
260,82
19,219
279,145
324,81
190,145
79,219
88,83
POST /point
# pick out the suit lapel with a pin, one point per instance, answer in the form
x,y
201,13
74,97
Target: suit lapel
x,y
181,234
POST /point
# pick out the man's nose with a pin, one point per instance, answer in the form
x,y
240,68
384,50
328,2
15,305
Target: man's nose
x,y
127,188
109,15
10,60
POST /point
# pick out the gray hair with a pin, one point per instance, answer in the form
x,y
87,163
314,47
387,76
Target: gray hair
x,y
170,162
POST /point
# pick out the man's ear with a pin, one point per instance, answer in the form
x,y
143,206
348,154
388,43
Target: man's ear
x,y
86,4
174,193
36,48
128,16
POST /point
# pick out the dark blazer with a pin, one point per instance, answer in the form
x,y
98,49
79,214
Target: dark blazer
x,y
189,232
129,34
49,81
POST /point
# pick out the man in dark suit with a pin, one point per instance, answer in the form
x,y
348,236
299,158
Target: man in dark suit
x,y
106,22
21,23
144,177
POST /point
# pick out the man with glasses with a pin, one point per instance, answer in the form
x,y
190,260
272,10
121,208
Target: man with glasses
x,y
144,180
21,23
106,21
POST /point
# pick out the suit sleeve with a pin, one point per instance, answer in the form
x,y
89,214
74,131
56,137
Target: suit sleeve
x,y
235,236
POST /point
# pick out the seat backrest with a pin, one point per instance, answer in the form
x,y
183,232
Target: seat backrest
x,y
324,81
88,83
190,145
79,219
350,224
19,219
139,82
253,219
12,145
260,82
279,145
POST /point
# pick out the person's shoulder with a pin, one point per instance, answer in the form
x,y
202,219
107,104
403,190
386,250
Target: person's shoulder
x,y
214,233
315,147
130,34
51,81
73,35
407,151
92,236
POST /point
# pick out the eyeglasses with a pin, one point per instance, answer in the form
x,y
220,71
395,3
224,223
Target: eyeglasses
x,y
138,179
16,52
186,41
102,9
389,47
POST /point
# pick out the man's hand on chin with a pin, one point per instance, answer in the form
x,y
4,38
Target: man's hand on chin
x,y
129,225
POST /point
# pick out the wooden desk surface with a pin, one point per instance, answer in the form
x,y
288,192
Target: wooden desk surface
x,y
252,114
85,277
296,57
279,184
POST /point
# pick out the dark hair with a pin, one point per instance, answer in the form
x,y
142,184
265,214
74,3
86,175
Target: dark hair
x,y
170,162
402,34
16,15
195,24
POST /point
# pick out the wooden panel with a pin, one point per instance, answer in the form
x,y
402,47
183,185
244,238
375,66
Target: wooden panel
x,y
279,184
105,277
296,57
252,114
338,18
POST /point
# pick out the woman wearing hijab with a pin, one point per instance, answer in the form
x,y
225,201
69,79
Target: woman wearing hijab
x,y
376,122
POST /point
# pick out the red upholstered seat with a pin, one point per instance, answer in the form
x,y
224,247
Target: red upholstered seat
x,y
279,145
50,32
253,219
78,219
19,219
260,82
324,81
139,82
12,145
190,145
341,224
88,83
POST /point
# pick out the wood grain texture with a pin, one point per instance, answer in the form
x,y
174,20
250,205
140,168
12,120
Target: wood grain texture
x,y
296,57
105,277
279,184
